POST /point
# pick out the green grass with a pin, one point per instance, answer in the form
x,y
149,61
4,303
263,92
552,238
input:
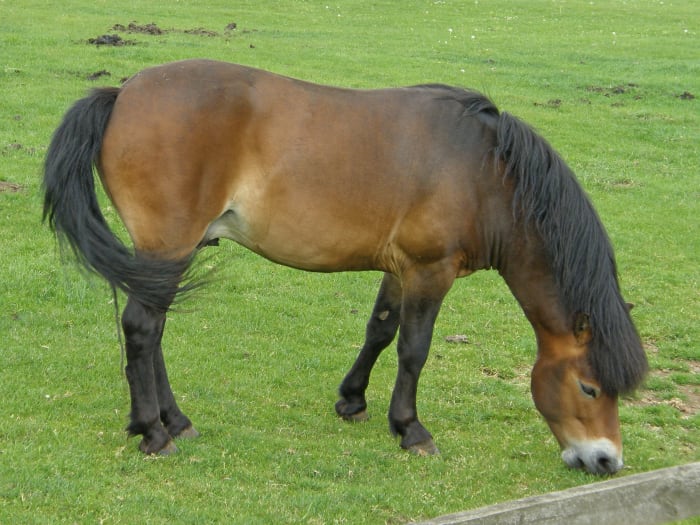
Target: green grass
x,y
258,357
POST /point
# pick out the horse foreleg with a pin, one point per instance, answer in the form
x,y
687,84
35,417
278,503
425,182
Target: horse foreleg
x,y
380,332
143,330
175,422
422,298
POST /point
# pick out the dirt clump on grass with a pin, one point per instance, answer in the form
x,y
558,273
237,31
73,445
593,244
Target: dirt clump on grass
x,y
133,27
153,29
99,74
620,89
16,146
110,40
10,187
554,103
200,31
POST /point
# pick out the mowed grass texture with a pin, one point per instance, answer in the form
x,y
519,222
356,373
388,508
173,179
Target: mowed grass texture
x,y
256,357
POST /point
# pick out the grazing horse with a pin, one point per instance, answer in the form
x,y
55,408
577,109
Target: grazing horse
x,y
426,184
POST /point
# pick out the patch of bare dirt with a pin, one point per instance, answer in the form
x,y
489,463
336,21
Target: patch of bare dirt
x,y
613,91
688,402
457,338
200,31
133,27
99,74
153,29
10,187
552,103
688,406
16,146
620,89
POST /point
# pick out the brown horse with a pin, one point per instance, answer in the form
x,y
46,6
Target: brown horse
x,y
426,184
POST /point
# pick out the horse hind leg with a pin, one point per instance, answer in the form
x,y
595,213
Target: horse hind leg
x,y
176,423
381,330
143,330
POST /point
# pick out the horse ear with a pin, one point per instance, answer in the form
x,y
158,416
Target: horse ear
x,y
582,328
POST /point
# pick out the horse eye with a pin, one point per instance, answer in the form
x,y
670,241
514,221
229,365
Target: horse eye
x,y
588,390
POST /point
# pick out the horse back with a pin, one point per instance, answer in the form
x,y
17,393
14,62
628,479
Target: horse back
x,y
314,177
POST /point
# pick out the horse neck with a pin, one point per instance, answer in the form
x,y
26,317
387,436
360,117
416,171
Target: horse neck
x,y
530,279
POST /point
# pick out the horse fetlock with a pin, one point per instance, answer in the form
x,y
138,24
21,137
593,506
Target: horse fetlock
x,y
156,439
414,437
178,426
157,442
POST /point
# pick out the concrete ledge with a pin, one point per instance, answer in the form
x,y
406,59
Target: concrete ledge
x,y
651,498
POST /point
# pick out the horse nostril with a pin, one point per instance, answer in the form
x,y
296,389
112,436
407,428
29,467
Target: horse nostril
x,y
604,463
607,464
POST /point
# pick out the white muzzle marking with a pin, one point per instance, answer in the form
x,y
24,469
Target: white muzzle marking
x,y
597,456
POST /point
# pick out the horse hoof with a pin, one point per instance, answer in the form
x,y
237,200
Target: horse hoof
x,y
342,407
188,433
424,448
358,417
168,449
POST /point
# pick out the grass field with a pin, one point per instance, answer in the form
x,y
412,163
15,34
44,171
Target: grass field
x,y
256,358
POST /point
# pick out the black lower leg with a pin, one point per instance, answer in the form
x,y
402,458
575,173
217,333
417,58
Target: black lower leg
x,y
423,294
176,423
380,332
142,330
403,414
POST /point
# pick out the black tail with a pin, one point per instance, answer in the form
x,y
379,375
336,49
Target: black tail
x,y
72,209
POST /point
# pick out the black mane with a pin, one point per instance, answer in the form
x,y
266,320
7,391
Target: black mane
x,y
475,104
548,196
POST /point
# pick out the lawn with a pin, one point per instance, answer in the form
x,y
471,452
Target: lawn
x,y
255,358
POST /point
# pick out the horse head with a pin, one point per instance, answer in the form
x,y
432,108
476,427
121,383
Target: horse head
x,y
581,414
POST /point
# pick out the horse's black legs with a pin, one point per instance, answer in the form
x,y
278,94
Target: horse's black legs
x,y
176,423
381,330
422,297
143,330
413,303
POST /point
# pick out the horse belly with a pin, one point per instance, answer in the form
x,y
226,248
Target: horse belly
x,y
297,239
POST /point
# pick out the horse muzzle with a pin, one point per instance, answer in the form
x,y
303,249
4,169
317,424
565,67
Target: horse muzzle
x,y
599,456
